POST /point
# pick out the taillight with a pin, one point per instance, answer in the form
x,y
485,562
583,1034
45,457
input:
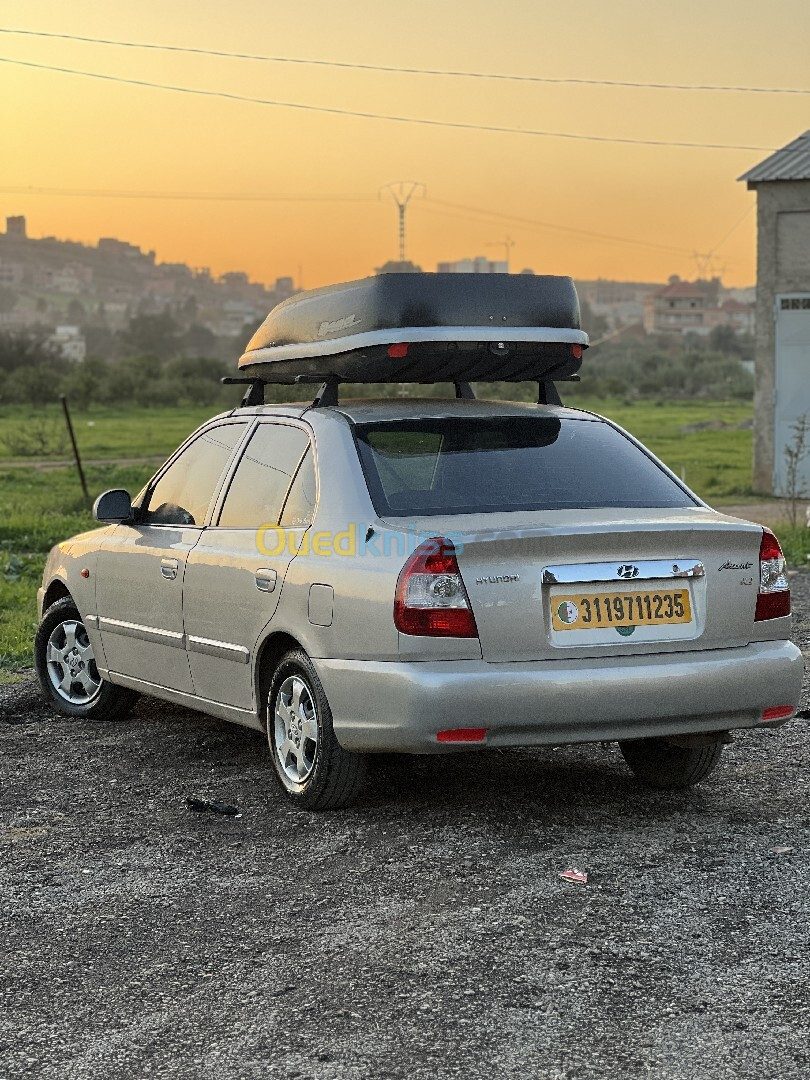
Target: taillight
x,y
431,600
773,599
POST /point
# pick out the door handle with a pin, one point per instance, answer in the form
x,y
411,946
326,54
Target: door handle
x,y
169,567
266,580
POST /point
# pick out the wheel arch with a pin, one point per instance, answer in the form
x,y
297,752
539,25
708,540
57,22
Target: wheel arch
x,y
270,652
56,590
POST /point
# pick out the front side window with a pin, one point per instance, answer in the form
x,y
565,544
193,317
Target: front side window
x,y
183,493
263,476
501,464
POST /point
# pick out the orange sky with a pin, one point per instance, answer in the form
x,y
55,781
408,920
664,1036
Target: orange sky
x,y
68,132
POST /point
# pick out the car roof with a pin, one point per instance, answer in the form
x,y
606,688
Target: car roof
x,y
370,410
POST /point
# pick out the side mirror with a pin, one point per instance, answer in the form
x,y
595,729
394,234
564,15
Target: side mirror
x,y
113,507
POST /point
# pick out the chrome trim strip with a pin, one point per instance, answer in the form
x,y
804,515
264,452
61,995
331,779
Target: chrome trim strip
x,y
222,649
91,621
143,633
648,569
413,334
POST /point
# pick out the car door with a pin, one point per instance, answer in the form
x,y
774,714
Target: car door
x,y
236,571
140,568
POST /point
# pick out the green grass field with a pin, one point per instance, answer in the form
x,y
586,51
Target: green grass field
x,y
716,464
39,507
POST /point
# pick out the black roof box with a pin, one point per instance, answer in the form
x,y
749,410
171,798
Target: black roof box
x,y
423,328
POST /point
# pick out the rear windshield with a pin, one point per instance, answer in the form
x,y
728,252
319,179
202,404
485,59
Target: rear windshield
x,y
502,464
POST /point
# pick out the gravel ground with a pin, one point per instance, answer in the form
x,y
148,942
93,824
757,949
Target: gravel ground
x,y
424,933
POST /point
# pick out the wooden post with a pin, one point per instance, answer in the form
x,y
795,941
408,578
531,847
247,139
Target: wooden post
x,y
79,468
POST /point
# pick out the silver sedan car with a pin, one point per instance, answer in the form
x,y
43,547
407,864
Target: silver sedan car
x,y
424,577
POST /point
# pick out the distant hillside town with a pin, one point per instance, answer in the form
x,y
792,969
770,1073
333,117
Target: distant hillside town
x,y
102,299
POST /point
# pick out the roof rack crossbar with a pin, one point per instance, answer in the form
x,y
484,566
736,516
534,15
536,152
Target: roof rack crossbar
x,y
328,392
254,395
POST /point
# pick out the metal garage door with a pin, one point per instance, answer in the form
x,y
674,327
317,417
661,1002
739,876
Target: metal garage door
x,y
792,391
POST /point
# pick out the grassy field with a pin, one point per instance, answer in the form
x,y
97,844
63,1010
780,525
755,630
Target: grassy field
x,y
715,463
39,507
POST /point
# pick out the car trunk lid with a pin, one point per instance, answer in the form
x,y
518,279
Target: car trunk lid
x,y
563,584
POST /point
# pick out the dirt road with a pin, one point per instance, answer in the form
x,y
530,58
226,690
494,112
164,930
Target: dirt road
x,y
424,933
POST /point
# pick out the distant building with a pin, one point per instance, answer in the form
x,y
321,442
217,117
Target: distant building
x,y
70,342
680,307
620,302
284,286
11,273
695,307
15,226
782,365
108,245
738,315
478,265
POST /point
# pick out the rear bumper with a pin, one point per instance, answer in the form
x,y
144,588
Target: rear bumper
x,y
401,706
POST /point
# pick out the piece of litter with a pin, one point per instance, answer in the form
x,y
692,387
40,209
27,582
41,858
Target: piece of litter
x,y
780,850
213,806
579,876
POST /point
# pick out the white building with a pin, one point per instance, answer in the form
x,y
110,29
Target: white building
x,y
782,372
478,265
70,342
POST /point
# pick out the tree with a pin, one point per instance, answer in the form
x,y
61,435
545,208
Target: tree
x,y
22,350
394,267
198,341
155,335
75,311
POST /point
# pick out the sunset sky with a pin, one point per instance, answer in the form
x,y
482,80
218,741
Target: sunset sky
x,y
73,135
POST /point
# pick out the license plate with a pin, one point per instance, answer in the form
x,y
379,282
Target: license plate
x,y
596,610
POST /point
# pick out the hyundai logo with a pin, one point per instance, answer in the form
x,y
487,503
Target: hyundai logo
x,y
627,570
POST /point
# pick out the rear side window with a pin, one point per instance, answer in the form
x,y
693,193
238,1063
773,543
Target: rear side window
x,y
263,476
183,493
299,508
503,464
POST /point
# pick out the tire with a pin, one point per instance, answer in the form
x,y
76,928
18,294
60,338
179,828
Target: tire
x,y
312,767
662,765
66,667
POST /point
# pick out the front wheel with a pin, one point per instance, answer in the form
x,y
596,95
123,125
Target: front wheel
x,y
313,768
662,765
67,671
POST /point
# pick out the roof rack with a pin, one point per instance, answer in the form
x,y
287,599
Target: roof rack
x,y
327,395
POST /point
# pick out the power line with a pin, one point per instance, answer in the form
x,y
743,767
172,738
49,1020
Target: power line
x,y
424,121
531,223
407,70
194,196
436,206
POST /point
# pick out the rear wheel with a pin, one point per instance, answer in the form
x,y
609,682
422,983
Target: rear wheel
x,y
67,671
662,765
313,768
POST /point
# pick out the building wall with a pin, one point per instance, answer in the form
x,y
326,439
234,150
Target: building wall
x,y
783,265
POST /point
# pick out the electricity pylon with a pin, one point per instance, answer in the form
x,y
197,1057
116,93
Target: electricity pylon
x,y
402,191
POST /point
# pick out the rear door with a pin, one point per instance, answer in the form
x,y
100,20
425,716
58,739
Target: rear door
x,y
236,572
140,568
792,375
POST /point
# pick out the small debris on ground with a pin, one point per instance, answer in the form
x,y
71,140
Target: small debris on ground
x,y
212,806
781,850
579,876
